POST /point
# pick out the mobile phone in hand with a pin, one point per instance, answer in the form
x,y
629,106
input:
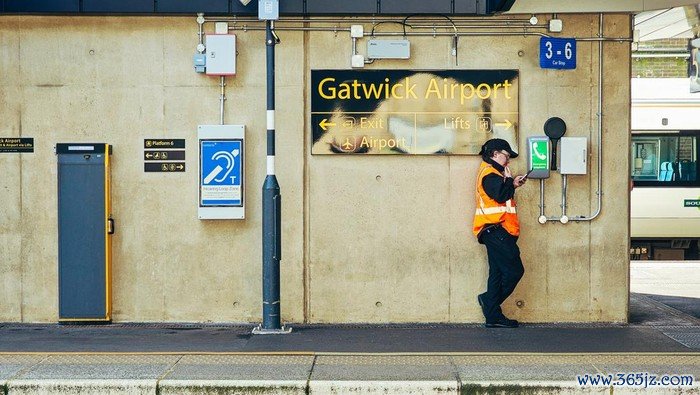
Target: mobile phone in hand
x,y
528,173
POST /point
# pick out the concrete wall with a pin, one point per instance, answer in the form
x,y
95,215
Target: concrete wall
x,y
365,238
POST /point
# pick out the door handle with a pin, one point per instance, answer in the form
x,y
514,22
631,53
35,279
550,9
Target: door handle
x,y
110,226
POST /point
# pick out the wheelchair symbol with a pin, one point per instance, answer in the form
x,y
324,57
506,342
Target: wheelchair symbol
x,y
228,158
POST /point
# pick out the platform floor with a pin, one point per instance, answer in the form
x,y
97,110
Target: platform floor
x,y
662,338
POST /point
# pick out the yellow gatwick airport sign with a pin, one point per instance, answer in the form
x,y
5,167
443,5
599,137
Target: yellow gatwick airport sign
x,y
412,112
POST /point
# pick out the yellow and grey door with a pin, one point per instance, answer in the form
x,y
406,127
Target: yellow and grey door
x,y
85,227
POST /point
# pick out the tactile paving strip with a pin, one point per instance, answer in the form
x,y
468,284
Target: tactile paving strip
x,y
246,360
11,365
131,359
689,337
418,360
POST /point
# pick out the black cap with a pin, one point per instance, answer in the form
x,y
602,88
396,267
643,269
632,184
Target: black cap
x,y
497,145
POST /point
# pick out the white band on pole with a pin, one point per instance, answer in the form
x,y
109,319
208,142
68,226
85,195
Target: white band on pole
x,y
270,165
270,119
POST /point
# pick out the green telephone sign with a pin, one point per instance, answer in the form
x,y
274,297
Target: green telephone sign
x,y
539,154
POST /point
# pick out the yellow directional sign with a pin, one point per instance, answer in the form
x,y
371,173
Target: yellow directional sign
x,y
507,124
412,112
324,124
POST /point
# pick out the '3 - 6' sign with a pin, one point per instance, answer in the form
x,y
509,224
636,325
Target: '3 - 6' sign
x,y
557,53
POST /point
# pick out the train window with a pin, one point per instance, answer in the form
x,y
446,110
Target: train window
x,y
665,160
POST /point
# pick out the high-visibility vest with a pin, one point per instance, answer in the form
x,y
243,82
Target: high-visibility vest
x,y
489,211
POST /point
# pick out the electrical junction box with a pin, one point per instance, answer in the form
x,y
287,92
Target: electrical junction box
x,y
357,61
573,158
221,54
268,10
221,27
221,171
388,49
357,31
200,62
555,25
538,156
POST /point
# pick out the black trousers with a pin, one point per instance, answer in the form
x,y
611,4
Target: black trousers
x,y
505,269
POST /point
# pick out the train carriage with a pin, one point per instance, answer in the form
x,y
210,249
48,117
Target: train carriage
x,y
665,200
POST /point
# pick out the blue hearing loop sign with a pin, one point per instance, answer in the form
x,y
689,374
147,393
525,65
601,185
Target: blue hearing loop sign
x,y
557,53
221,169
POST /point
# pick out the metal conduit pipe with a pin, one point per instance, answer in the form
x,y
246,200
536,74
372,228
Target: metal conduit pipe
x,y
387,34
367,20
391,34
299,29
599,39
431,34
509,26
542,218
222,98
473,24
599,192
200,22
432,27
377,34
345,29
564,219
424,34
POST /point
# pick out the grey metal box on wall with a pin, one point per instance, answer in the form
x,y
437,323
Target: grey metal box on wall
x,y
573,158
84,254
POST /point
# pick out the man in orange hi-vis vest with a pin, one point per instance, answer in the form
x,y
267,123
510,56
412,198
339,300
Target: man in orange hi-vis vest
x,y
496,226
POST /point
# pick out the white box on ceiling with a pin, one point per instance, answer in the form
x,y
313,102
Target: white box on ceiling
x,y
221,54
